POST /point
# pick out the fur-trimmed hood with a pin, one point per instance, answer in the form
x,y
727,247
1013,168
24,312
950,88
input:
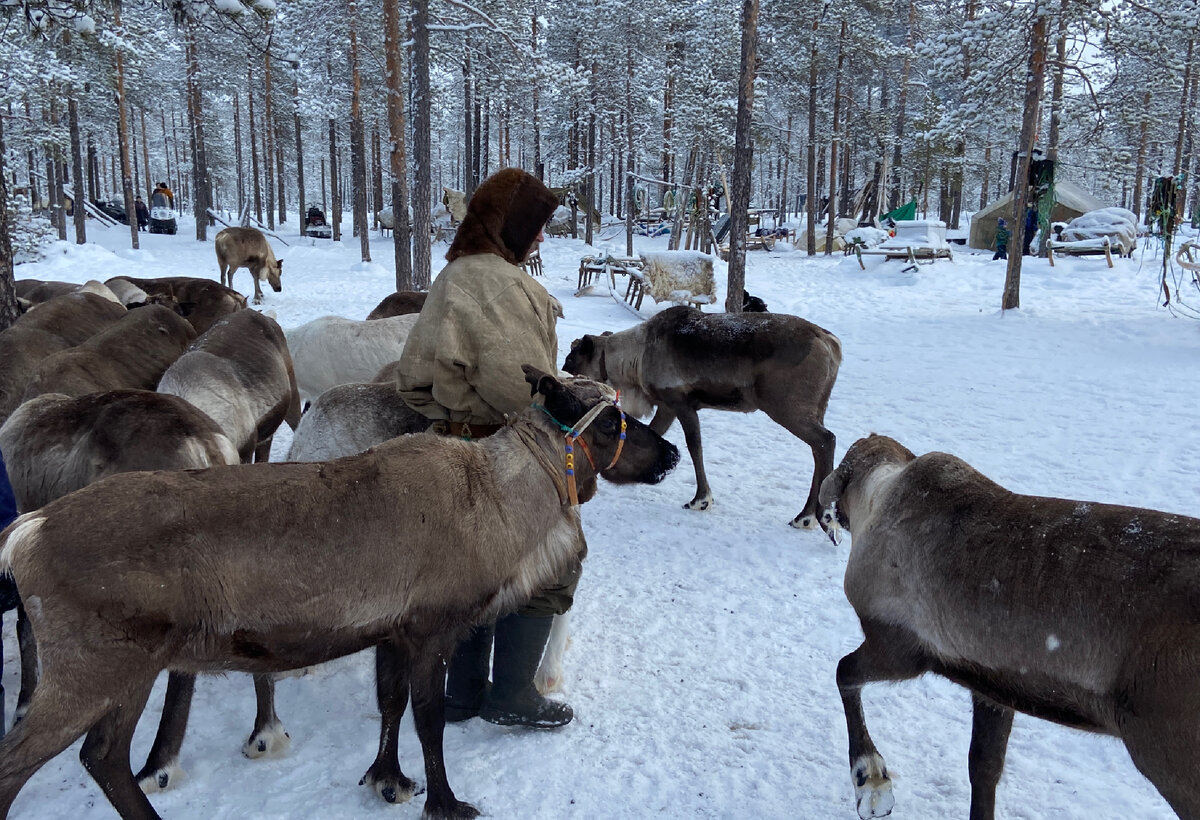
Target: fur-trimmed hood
x,y
504,216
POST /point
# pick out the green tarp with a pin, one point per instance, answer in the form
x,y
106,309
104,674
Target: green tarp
x,y
904,212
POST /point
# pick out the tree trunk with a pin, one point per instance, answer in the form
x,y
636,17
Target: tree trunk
x,y
743,157
301,205
1139,173
358,142
901,105
200,178
681,201
335,198
258,209
237,155
78,214
469,166
833,144
422,117
810,234
630,192
376,175
396,83
537,94
9,311
1034,82
590,186
269,139
123,131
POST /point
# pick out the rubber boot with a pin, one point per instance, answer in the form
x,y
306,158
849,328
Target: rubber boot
x,y
513,700
467,675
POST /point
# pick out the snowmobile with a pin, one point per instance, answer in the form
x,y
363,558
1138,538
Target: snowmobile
x,y
162,219
315,224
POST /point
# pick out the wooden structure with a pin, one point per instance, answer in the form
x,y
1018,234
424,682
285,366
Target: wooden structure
x,y
533,263
592,268
915,240
1101,246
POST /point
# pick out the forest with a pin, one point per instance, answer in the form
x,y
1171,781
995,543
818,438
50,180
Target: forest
x,y
261,109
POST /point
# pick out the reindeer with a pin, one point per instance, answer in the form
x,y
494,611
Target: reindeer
x,y
248,248
49,327
331,563
400,303
683,361
1084,614
333,350
132,352
240,373
201,301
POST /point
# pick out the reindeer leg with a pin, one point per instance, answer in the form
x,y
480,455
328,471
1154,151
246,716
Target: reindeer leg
x,y
872,786
822,443
429,713
162,769
105,754
664,417
29,662
392,668
57,716
990,727
257,288
262,450
689,420
268,739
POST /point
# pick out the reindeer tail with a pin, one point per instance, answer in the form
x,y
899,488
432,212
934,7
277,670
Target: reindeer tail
x,y
17,537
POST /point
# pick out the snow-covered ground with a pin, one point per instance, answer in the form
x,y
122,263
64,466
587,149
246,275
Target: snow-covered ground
x,y
702,663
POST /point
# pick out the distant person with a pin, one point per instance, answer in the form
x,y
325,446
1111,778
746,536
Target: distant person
x,y
1031,226
1003,234
143,213
161,188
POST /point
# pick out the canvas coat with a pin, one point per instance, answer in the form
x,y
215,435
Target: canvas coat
x,y
484,316
483,319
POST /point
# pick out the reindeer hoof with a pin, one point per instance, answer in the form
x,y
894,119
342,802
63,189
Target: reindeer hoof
x,y
269,741
159,780
458,811
872,787
391,788
805,521
258,300
699,504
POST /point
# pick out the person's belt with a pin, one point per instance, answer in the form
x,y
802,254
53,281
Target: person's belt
x,y
463,429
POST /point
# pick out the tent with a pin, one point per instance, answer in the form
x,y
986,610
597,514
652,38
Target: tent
x,y
1070,201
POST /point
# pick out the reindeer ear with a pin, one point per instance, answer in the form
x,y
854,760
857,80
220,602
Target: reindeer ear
x,y
538,380
279,262
834,485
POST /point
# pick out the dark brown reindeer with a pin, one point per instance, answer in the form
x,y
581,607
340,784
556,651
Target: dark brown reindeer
x,y
1080,613
132,352
331,563
684,361
201,301
400,303
54,444
54,325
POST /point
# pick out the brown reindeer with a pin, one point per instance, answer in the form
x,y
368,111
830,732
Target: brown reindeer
x,y
132,352
200,301
54,445
248,248
684,361
54,325
1080,613
295,564
240,373
400,303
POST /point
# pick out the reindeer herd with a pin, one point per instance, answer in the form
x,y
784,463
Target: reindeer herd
x,y
138,416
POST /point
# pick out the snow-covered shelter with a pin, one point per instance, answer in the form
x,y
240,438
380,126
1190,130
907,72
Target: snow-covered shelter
x,y
1070,201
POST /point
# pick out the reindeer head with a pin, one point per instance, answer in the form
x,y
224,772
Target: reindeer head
x,y
645,457
274,271
842,491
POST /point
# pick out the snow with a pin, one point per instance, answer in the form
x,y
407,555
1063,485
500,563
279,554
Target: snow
x,y
701,665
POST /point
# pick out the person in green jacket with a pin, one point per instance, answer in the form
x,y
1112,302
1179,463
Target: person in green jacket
x,y
484,318
1002,236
